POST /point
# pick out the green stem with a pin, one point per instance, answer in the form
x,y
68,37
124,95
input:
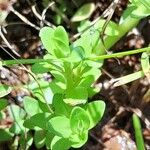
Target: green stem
x,y
22,61
120,54
32,61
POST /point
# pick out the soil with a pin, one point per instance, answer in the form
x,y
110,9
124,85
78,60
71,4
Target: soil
x,y
115,131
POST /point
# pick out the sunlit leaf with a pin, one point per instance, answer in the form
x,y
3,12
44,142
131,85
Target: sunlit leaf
x,y
76,96
3,103
39,138
28,103
77,55
4,90
79,140
61,42
39,120
59,143
17,127
46,34
95,111
5,135
84,12
61,108
16,113
41,67
79,120
55,41
60,126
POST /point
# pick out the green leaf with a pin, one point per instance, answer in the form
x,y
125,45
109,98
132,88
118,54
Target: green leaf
x,y
59,143
93,90
55,41
94,64
88,41
39,138
17,127
4,90
58,76
39,120
144,12
79,120
57,87
77,54
42,67
31,105
48,94
111,29
146,3
87,81
48,140
61,42
43,107
127,13
46,35
95,111
3,103
141,2
79,140
34,85
84,12
49,87
145,64
76,96
83,25
60,107
16,113
61,34
142,8
95,72
60,126
53,63
5,135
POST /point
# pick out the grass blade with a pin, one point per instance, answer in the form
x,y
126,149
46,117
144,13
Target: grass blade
x,y
138,133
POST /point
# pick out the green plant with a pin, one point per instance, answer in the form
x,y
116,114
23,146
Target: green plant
x,y
60,112
70,116
138,132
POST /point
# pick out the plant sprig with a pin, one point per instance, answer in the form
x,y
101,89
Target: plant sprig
x,y
74,69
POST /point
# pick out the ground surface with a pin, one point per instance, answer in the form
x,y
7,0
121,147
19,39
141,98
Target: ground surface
x,y
115,132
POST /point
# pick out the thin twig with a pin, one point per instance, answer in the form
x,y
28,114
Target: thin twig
x,y
24,19
33,8
44,13
7,43
110,13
